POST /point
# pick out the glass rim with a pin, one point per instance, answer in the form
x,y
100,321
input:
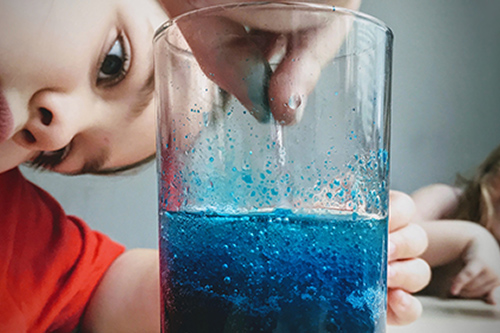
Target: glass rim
x,y
160,31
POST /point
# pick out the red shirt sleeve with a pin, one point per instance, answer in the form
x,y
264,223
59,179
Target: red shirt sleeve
x,y
50,263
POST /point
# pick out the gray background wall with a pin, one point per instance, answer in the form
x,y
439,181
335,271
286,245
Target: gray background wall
x,y
446,114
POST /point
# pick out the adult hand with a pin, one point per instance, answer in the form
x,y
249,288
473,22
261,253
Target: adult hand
x,y
228,52
407,273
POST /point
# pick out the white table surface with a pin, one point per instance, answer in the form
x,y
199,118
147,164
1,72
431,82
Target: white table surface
x,y
453,316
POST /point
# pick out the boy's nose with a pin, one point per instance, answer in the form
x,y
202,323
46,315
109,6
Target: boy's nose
x,y
53,122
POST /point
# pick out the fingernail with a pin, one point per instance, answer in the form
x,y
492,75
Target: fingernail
x,y
295,102
257,82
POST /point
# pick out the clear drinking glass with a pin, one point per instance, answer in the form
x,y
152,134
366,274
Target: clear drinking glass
x,y
269,224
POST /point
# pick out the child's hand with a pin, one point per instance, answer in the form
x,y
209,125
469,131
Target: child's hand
x,y
481,274
229,53
407,273
494,296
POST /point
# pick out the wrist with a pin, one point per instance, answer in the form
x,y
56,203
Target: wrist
x,y
482,244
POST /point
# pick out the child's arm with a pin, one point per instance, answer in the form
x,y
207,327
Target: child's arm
x,y
128,297
481,274
436,201
451,240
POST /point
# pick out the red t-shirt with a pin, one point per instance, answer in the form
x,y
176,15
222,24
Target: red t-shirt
x,y
50,263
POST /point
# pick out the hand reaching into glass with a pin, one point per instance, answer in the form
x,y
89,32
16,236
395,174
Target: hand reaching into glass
x,y
229,52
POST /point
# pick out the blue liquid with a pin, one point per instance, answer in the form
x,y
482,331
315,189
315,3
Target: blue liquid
x,y
272,272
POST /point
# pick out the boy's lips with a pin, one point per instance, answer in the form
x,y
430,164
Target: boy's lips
x,y
6,119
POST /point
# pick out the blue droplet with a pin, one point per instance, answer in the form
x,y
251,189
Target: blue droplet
x,y
247,179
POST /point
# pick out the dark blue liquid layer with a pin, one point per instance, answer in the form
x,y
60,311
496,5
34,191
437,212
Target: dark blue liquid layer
x,y
275,272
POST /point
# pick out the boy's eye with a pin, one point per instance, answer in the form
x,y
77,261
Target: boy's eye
x,y
115,65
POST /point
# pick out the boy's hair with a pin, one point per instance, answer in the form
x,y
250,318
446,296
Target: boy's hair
x,y
475,203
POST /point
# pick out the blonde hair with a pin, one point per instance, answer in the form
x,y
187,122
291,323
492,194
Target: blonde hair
x,y
475,203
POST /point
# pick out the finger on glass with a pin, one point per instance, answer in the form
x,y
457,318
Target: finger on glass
x,y
402,308
410,275
402,210
407,242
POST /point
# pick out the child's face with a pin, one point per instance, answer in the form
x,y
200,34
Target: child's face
x,y
76,81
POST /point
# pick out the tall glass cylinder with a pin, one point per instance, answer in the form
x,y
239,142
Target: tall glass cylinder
x,y
269,223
